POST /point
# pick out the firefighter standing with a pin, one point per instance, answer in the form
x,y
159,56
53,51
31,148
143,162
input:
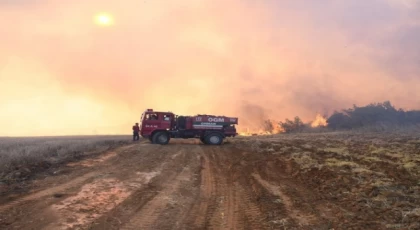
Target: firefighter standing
x,y
136,130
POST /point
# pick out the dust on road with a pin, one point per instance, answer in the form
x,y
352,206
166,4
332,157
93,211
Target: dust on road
x,y
183,185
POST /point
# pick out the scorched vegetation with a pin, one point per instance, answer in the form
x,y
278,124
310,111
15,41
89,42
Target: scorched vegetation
x,y
354,178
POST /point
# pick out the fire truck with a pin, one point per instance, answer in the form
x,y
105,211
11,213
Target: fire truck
x,y
160,127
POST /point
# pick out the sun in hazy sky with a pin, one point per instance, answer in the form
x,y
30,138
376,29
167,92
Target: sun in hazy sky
x,y
104,19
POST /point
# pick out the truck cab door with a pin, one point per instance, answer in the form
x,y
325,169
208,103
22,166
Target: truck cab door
x,y
150,122
166,121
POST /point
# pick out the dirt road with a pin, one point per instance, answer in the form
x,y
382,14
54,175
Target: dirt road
x,y
183,185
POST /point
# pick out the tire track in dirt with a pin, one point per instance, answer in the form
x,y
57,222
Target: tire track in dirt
x,y
164,201
302,218
224,202
96,199
253,217
213,215
49,192
161,211
227,209
146,218
260,206
283,200
103,195
104,180
233,210
284,174
199,210
246,211
62,188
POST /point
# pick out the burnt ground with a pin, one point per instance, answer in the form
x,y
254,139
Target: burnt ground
x,y
317,181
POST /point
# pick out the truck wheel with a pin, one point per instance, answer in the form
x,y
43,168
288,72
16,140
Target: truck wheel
x,y
161,138
214,139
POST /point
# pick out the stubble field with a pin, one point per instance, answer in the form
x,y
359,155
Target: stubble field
x,y
342,180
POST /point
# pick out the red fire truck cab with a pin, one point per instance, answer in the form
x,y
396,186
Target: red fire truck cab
x,y
160,127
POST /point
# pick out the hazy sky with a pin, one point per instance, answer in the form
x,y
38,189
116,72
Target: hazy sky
x,y
60,73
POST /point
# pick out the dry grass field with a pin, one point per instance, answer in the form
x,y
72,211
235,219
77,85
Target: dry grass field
x,y
347,180
22,158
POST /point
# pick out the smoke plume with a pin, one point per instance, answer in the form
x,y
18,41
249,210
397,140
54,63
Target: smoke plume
x,y
62,74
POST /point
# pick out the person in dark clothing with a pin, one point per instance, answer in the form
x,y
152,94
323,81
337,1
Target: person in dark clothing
x,y
136,130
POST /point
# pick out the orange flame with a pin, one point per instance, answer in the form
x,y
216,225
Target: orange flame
x,y
277,128
244,134
260,131
319,121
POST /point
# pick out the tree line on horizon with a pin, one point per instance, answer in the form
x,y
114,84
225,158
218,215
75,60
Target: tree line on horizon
x,y
379,115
